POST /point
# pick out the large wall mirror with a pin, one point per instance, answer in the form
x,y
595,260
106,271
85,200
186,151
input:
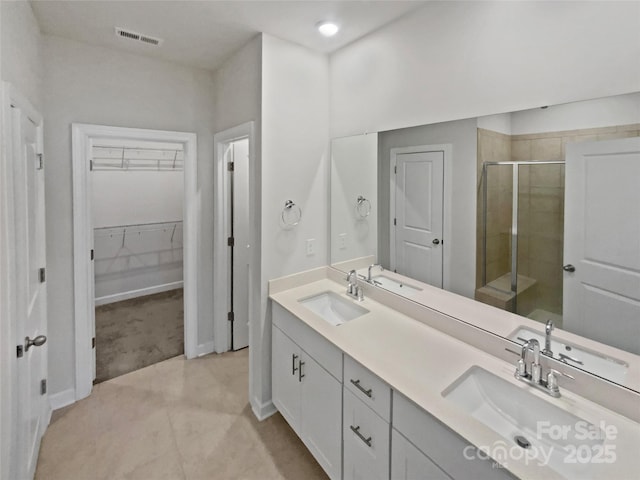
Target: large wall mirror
x,y
535,212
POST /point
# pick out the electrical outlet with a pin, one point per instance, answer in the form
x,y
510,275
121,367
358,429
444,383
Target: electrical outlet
x,y
342,241
311,246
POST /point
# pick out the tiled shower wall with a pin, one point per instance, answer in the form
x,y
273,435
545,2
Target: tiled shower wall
x,y
541,205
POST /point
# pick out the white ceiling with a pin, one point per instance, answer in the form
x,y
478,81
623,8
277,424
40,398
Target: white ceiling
x,y
204,33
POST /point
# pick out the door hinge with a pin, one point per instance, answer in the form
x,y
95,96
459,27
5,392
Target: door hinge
x,y
230,316
20,351
394,221
43,386
93,342
230,241
40,165
43,274
92,254
230,166
91,165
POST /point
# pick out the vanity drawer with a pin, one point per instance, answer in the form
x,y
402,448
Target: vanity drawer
x,y
373,392
442,445
366,441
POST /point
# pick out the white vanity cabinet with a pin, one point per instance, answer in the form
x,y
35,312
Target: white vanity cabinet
x,y
307,395
409,463
439,444
366,428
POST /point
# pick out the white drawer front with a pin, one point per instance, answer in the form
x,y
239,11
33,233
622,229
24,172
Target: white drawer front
x,y
441,444
366,441
367,387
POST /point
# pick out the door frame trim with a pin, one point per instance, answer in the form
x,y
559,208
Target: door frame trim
x,y
447,150
221,326
82,135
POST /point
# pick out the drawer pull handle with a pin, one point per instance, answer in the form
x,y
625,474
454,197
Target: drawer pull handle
x,y
356,430
294,369
300,374
361,388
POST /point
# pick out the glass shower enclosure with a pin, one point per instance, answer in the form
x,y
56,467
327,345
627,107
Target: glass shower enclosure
x,y
522,233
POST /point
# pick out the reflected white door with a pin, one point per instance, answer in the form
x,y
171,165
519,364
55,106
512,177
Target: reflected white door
x,y
32,405
602,242
417,219
239,153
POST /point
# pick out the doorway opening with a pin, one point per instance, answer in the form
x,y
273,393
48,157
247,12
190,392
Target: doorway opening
x,y
136,249
136,199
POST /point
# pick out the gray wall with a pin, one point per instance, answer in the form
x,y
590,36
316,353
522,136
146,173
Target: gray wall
x,y
21,50
462,135
89,84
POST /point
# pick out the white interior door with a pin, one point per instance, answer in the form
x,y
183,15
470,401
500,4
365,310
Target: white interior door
x,y
240,264
416,241
602,242
32,406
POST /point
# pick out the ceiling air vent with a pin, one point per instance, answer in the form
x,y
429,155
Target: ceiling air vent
x,y
139,37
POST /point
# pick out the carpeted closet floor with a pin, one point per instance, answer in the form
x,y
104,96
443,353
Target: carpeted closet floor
x,y
136,333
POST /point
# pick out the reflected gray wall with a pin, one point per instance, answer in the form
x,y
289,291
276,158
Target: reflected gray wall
x,y
462,135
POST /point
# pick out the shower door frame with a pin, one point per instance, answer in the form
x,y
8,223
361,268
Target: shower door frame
x,y
514,219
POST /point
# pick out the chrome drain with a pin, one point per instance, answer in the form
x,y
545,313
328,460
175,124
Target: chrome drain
x,y
522,441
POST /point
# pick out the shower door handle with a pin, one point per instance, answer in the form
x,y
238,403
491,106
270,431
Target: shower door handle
x,y
569,268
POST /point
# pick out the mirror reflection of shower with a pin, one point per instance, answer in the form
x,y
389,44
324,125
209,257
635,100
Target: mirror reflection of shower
x,y
522,234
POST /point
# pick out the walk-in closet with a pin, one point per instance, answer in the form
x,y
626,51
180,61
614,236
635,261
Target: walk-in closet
x,y
136,202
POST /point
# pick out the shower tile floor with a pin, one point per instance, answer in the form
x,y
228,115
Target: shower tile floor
x,y
178,419
133,334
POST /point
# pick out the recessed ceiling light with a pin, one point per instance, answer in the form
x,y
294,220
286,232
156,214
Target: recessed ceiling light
x,y
328,29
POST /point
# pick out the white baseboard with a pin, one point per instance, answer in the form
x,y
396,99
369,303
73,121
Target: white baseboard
x,y
205,349
62,399
262,411
118,297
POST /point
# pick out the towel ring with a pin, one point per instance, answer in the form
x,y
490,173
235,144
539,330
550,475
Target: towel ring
x,y
291,214
363,207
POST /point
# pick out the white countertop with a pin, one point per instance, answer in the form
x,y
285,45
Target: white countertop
x,y
420,362
495,320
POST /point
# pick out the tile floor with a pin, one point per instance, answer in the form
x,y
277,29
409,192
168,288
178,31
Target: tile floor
x,y
138,332
176,419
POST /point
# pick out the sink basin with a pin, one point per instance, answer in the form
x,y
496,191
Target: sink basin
x,y
521,418
598,364
333,308
395,286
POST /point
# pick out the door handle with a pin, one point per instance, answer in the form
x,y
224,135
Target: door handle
x,y
436,241
294,369
569,268
36,342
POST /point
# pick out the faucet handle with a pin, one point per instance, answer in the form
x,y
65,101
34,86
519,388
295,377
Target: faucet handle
x,y
552,381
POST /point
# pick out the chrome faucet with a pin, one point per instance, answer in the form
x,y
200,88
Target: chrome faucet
x,y
353,289
547,339
369,279
531,372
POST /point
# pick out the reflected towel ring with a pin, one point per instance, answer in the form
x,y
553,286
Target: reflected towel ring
x,y
363,207
291,214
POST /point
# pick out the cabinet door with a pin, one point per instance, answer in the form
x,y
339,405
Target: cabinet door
x,y
321,418
366,441
285,381
409,463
